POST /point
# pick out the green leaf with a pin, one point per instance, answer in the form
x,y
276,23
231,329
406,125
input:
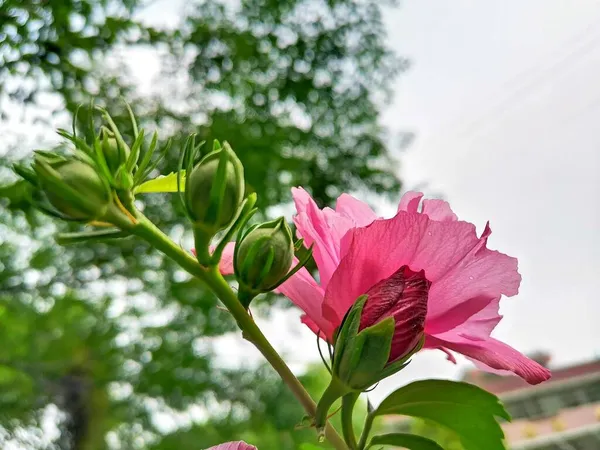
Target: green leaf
x,y
163,183
464,408
408,441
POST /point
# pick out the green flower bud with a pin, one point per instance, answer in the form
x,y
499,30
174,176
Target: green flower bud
x,y
73,187
264,256
214,190
114,154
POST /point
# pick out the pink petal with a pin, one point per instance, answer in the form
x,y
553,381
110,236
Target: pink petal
x,y
323,228
410,202
226,263
478,315
454,259
360,213
433,343
303,290
238,445
480,273
498,356
438,210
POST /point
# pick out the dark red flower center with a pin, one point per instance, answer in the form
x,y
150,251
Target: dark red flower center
x,y
403,296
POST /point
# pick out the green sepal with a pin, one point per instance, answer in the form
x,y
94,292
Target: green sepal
x,y
348,331
27,174
90,236
123,178
246,211
134,155
51,177
364,359
401,363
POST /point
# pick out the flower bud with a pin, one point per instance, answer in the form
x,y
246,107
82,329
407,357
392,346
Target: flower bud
x,y
214,190
114,154
382,329
73,187
264,256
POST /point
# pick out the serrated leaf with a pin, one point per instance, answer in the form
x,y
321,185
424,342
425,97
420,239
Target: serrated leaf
x,y
163,183
464,408
408,441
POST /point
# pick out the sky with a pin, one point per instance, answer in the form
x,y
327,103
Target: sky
x,y
505,103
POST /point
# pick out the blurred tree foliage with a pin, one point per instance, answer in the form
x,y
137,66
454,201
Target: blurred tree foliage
x,y
106,340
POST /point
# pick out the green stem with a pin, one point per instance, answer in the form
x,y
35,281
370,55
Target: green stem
x,y
211,276
334,391
366,430
348,402
202,240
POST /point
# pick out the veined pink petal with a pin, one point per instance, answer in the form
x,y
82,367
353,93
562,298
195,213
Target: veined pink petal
x,y
438,210
433,343
410,202
238,445
498,356
360,213
304,291
322,228
478,313
454,259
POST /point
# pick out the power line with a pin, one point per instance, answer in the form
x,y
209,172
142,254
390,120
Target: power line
x,y
557,68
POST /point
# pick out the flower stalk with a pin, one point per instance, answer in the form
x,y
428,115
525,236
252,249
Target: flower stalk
x,y
146,230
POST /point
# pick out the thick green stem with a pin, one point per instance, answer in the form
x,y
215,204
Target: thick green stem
x,y
211,276
366,430
348,402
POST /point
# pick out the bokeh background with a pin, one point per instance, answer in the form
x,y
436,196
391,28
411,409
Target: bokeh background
x,y
493,106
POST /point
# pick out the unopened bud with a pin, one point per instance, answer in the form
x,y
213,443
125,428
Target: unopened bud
x,y
73,187
264,256
382,330
114,154
214,190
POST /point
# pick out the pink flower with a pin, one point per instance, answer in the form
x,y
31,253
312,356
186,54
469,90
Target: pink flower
x,y
355,251
238,445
